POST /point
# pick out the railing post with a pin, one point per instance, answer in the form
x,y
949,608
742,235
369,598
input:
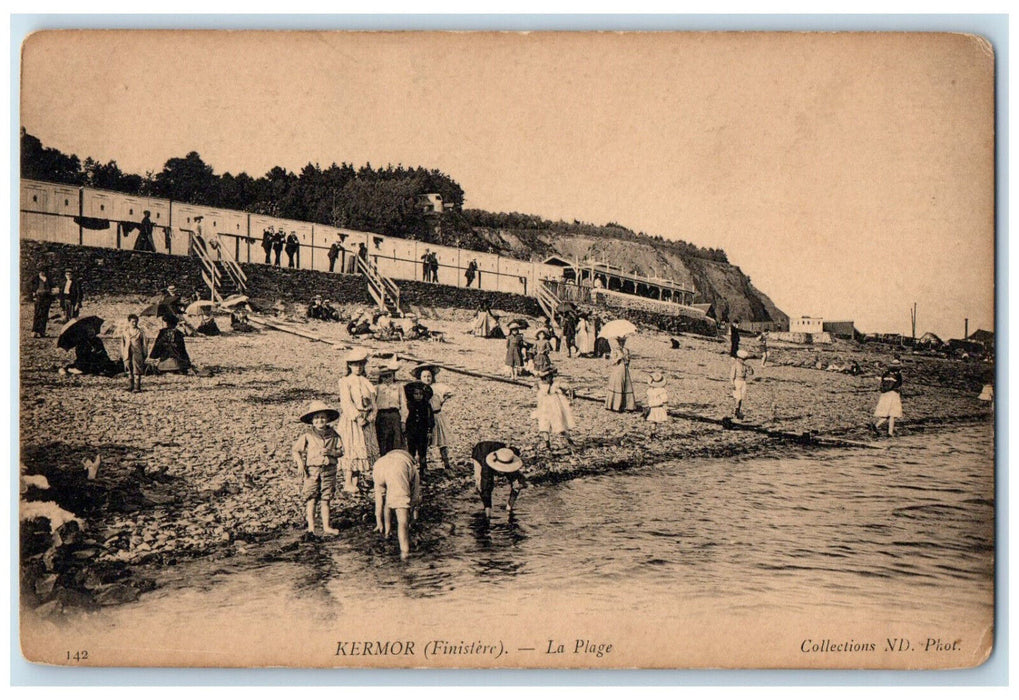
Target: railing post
x,y
81,215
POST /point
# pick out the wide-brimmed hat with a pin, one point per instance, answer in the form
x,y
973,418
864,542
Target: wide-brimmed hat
x,y
391,367
357,355
410,387
895,363
318,407
416,371
655,379
171,288
504,460
199,217
742,354
542,333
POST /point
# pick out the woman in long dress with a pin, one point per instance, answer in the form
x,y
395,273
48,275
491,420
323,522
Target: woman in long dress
x,y
441,434
356,425
585,336
620,395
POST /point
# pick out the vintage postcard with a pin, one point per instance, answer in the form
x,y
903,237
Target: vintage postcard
x,y
507,350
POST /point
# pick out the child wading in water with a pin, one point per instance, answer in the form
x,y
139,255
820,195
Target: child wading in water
x,y
134,352
889,406
657,401
555,417
741,371
316,452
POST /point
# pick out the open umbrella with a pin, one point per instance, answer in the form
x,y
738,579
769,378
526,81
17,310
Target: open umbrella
x,y
196,307
617,329
235,300
73,331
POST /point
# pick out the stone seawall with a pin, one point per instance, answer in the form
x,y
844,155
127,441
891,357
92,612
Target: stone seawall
x,y
112,271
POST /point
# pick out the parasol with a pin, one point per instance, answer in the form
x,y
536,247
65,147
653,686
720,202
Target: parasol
x,y
617,329
73,331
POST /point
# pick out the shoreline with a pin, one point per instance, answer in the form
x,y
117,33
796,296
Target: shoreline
x,y
197,468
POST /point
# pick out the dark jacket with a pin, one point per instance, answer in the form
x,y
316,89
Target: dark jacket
x,y
74,296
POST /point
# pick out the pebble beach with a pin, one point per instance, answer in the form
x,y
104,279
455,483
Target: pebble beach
x,y
201,466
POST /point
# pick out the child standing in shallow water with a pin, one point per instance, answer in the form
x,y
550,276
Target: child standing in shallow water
x,y
657,401
316,452
739,374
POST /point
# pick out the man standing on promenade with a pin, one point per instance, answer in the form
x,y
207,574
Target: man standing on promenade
x,y
426,266
268,235
334,252
144,240
277,246
293,246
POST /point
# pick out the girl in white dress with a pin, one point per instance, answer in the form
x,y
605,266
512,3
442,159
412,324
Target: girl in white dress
x,y
585,336
356,425
657,401
554,415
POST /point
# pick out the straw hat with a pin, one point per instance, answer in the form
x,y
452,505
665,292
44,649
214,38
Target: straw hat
x,y
542,333
655,379
504,460
416,371
513,325
357,355
742,354
895,363
318,407
391,367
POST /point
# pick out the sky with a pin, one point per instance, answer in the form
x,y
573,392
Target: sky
x,y
849,175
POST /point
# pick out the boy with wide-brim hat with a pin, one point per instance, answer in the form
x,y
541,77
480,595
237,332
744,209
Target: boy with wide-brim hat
x,y
492,458
316,453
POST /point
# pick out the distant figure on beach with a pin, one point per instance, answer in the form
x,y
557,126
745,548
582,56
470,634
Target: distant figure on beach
x,y
397,488
585,336
170,302
738,375
553,339
357,419
90,356
42,295
485,324
71,296
764,349
569,327
542,347
316,452
657,402
134,350
514,350
334,252
889,406
268,238
620,397
492,459
734,338
601,345
391,407
553,413
168,353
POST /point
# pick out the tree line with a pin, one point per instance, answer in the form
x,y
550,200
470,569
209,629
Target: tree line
x,y
381,200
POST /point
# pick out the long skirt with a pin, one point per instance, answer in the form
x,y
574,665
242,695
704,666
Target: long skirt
x,y
620,394
360,446
389,430
602,347
554,414
440,433
889,405
41,316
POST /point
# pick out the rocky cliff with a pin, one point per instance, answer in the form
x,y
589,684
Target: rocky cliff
x,y
717,282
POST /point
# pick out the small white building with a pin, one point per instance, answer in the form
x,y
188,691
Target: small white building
x,y
431,203
806,324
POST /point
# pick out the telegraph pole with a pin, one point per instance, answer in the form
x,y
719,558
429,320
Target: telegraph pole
x,y
912,316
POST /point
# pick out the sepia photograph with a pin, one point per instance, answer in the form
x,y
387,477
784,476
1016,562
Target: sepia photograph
x,y
506,350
